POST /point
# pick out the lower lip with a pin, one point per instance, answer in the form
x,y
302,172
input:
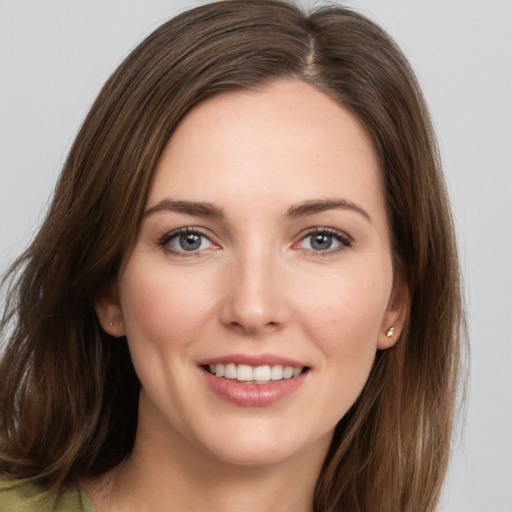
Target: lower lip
x,y
253,395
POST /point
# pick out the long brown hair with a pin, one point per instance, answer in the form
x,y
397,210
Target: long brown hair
x,y
68,391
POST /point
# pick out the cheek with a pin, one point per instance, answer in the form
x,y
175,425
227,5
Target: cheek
x,y
160,307
344,318
344,313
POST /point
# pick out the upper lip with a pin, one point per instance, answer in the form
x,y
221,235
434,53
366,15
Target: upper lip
x,y
253,360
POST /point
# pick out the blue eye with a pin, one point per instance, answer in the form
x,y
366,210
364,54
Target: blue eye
x,y
325,240
185,240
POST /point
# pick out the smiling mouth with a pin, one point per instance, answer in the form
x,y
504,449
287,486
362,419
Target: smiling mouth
x,y
247,374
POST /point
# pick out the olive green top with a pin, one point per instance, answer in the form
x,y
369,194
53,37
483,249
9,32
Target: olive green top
x,y
27,496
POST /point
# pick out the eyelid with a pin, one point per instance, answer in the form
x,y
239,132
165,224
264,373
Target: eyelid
x,y
343,238
345,241
167,237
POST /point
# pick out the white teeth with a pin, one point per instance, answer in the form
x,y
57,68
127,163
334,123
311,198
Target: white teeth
x,y
261,373
256,374
276,372
244,373
230,371
219,370
287,372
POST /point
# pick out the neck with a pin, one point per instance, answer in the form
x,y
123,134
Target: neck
x,y
168,473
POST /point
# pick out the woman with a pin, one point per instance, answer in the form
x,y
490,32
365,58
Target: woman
x,y
246,291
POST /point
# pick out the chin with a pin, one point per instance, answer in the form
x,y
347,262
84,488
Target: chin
x,y
257,455
264,446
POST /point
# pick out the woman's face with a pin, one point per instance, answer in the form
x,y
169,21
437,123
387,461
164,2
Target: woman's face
x,y
264,253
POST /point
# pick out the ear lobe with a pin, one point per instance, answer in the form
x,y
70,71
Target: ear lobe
x,y
109,312
395,316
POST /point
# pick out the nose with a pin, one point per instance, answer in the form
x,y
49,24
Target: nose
x,y
255,299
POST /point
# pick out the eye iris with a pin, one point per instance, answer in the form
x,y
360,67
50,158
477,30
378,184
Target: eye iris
x,y
190,242
321,242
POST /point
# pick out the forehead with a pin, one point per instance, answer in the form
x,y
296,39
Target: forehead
x,y
284,143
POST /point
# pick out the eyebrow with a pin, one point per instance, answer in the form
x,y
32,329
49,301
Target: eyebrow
x,y
198,209
303,209
317,206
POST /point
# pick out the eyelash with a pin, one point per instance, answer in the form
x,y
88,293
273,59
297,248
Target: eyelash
x,y
169,237
344,240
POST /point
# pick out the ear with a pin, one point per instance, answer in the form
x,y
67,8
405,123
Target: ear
x,y
395,316
109,312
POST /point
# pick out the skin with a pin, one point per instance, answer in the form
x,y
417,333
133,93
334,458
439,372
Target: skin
x,y
256,285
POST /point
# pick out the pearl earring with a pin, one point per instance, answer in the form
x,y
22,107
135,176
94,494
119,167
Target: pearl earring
x,y
111,324
390,332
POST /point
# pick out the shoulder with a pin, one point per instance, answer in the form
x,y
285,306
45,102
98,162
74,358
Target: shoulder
x,y
28,496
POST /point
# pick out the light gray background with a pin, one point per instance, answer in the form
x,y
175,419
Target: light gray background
x,y
55,55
